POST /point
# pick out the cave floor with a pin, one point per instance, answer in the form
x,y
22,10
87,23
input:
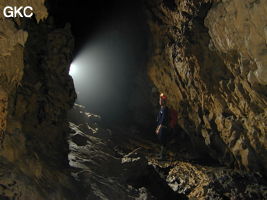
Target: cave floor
x,y
121,164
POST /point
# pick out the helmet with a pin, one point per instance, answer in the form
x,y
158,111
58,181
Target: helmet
x,y
163,97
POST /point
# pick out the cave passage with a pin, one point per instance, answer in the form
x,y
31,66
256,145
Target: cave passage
x,y
110,47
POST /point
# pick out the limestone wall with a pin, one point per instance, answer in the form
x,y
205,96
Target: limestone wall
x,y
210,59
36,92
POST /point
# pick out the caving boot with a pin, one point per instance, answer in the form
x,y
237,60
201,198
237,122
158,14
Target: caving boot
x,y
162,153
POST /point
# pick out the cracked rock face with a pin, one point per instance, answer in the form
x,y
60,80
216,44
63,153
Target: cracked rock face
x,y
12,43
204,182
241,26
209,58
35,94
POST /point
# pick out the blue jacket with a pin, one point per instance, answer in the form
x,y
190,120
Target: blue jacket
x,y
162,118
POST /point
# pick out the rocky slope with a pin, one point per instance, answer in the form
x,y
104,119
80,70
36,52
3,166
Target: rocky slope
x,y
209,57
121,164
108,168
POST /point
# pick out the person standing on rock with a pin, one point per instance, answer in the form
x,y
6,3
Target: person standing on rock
x,y
162,124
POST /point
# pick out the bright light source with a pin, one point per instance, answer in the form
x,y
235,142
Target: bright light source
x,y
73,70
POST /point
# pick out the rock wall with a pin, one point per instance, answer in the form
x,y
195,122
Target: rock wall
x,y
35,94
209,58
13,39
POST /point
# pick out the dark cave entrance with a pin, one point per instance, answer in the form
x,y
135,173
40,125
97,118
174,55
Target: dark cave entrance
x,y
110,55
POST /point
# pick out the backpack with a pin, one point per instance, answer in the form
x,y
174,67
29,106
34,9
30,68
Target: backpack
x,y
172,117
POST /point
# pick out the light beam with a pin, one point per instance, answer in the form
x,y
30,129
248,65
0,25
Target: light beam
x,y
73,70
